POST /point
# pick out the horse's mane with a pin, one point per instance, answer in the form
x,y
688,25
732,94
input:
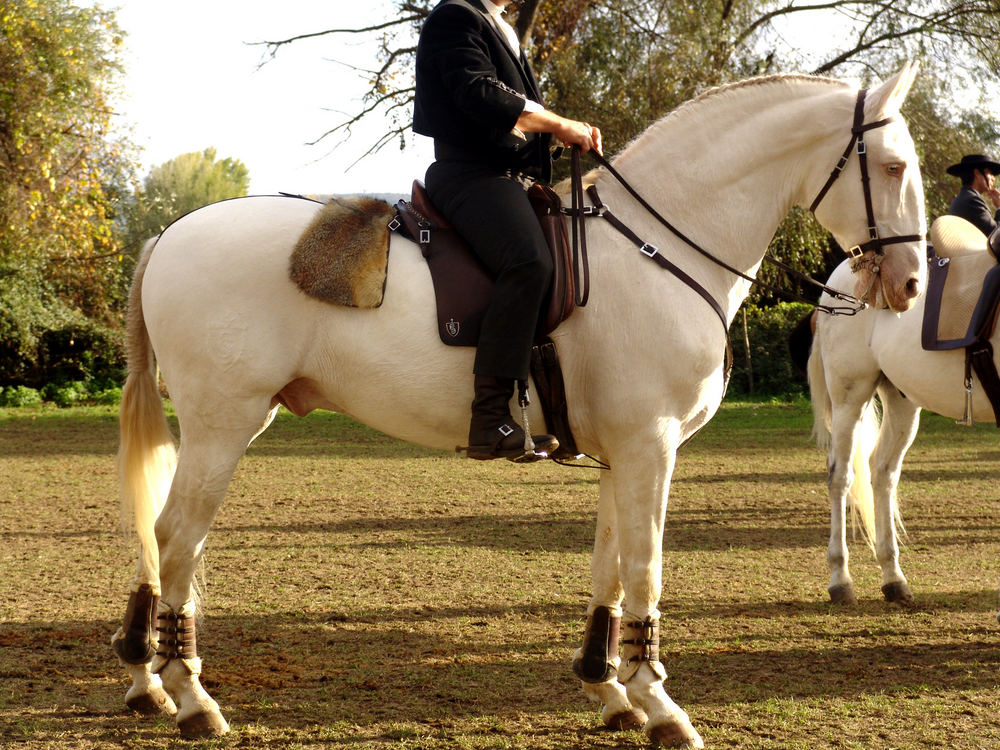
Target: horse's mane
x,y
693,107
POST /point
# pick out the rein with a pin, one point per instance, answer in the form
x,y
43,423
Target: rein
x,y
652,251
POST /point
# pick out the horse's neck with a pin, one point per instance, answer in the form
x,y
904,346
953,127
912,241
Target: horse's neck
x,y
726,169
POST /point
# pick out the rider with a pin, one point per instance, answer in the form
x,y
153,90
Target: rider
x,y
478,98
977,173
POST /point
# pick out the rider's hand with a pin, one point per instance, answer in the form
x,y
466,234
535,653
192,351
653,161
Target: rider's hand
x,y
994,195
582,134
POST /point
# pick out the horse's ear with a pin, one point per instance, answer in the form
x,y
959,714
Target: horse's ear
x,y
888,98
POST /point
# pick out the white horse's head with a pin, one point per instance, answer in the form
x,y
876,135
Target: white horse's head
x,y
895,279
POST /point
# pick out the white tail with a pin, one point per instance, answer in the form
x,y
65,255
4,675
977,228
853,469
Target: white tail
x,y
860,494
147,456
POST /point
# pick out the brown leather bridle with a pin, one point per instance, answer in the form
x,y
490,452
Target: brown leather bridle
x,y
875,244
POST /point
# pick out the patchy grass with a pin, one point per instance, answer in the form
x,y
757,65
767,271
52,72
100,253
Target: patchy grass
x,y
363,593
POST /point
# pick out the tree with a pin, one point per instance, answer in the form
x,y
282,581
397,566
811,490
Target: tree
x,y
179,186
61,168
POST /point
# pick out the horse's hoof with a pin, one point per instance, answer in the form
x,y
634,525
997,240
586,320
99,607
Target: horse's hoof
x,y
151,702
843,594
626,720
202,726
897,592
676,734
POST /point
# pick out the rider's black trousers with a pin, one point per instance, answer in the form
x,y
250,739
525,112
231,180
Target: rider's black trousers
x,y
491,211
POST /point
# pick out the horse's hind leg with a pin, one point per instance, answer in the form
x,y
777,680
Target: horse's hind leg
x,y
208,456
146,694
900,421
596,663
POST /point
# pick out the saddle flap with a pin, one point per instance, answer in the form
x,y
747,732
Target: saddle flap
x,y
562,297
961,301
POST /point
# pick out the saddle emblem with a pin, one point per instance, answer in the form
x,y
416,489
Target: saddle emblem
x,y
453,327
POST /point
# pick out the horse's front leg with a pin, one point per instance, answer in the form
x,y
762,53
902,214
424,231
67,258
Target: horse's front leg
x,y
641,471
596,662
900,421
845,432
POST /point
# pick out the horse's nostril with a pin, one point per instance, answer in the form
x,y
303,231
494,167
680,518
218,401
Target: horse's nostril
x,y
912,287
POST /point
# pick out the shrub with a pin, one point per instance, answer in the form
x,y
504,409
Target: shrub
x,y
19,395
108,396
66,394
770,371
59,350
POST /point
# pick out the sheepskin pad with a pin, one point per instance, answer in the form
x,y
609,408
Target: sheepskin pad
x,y
342,255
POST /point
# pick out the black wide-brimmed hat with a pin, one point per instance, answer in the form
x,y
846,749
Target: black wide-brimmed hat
x,y
973,161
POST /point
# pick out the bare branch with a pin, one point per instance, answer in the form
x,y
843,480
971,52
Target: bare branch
x,y
272,47
378,102
380,144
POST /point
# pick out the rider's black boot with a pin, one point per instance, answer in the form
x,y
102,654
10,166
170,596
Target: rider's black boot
x,y
493,433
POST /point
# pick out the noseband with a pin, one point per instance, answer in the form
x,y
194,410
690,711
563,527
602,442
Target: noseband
x,y
875,244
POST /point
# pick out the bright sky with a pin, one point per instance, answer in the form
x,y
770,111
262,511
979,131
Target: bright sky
x,y
193,82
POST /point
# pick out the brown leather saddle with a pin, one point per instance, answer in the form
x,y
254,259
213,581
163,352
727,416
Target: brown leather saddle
x,y
959,246
462,288
462,285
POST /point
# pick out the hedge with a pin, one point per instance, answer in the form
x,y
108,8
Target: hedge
x,y
769,370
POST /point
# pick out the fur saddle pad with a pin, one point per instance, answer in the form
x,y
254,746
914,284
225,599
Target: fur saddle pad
x,y
342,255
961,260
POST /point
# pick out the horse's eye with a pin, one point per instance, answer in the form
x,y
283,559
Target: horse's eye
x,y
894,170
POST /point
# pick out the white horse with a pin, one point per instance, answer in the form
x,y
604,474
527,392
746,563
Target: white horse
x,y
852,359
234,338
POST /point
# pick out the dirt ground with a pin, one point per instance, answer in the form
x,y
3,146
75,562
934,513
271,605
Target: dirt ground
x,y
361,593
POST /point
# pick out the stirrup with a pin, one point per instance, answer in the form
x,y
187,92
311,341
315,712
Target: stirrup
x,y
529,457
518,455
531,452
528,451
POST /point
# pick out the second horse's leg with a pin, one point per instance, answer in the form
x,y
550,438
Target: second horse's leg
x,y
900,421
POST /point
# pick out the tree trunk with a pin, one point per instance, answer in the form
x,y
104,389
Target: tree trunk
x,y
526,13
746,346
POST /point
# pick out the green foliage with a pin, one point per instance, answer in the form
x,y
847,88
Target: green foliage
x,y
62,168
769,370
67,394
69,224
942,135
